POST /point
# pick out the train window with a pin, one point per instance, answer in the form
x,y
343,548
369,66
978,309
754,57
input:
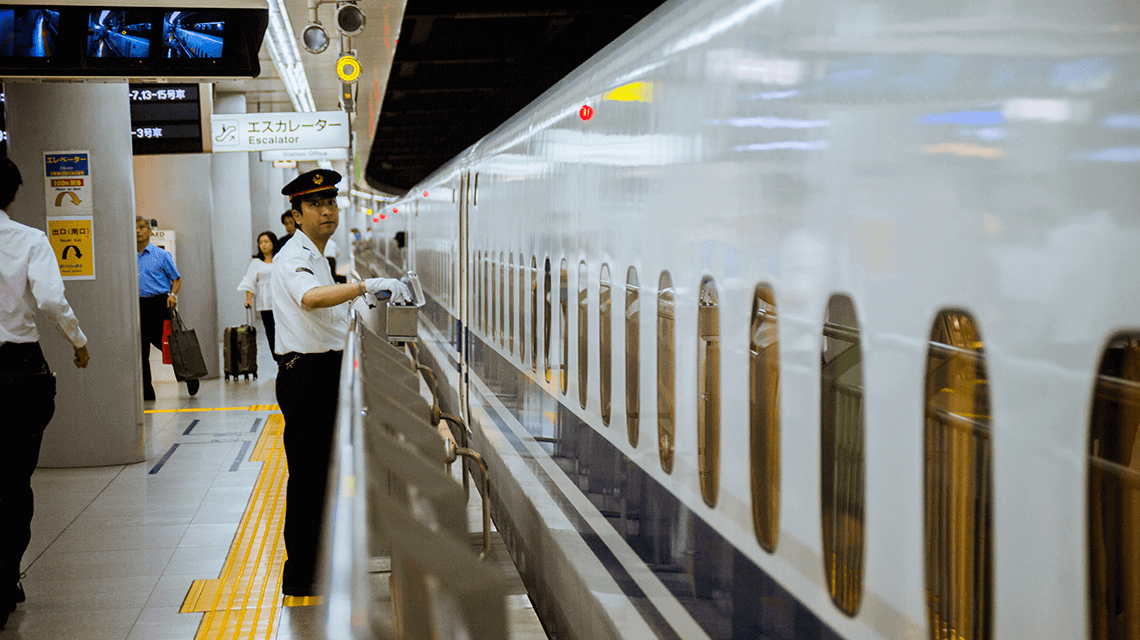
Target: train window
x,y
533,314
666,405
502,300
492,303
563,324
1114,493
583,333
478,319
708,390
764,417
546,319
842,457
605,342
632,357
957,482
511,302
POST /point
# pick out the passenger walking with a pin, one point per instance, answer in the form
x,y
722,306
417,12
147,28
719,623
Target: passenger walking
x,y
255,284
290,223
312,315
159,283
29,280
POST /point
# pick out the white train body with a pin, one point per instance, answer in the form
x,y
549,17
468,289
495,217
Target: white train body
x,y
914,157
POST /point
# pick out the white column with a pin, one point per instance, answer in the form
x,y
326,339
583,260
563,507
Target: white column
x,y
233,222
98,410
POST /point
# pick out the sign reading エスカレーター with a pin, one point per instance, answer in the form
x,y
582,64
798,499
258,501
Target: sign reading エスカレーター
x,y
266,131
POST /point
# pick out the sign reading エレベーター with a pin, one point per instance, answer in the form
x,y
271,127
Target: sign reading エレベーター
x,y
72,244
279,130
67,183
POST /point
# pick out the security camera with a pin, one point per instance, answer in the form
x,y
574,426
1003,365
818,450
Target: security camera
x,y
314,38
349,19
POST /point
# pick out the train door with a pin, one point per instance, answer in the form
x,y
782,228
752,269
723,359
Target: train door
x,y
465,285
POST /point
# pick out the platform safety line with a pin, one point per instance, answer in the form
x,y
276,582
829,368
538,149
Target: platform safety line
x,y
266,513
253,407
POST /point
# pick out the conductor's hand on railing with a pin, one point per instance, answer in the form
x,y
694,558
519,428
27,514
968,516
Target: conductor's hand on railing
x,y
399,291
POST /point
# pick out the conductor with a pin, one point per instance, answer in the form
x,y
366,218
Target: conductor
x,y
312,315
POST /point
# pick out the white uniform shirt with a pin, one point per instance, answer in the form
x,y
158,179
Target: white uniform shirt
x,y
29,279
332,250
257,281
296,269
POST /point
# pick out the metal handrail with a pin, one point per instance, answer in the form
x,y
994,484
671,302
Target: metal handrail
x,y
346,539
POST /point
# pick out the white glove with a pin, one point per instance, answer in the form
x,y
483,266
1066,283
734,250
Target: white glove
x,y
399,292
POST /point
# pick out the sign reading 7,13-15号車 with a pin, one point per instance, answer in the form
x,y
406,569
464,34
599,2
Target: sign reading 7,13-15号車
x,y
277,130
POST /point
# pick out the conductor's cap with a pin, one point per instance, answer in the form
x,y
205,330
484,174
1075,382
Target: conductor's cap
x,y
312,185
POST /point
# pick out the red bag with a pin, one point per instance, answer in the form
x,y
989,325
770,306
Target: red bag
x,y
166,343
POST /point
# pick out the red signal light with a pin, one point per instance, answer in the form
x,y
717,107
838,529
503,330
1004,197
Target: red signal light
x,y
395,210
425,194
376,218
383,216
586,112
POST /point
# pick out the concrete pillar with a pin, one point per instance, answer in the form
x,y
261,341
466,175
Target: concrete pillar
x,y
233,222
174,190
98,416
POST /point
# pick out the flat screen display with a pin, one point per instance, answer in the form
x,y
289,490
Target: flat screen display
x,y
193,34
119,34
28,33
128,41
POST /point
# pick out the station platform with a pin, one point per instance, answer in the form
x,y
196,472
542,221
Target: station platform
x,y
187,545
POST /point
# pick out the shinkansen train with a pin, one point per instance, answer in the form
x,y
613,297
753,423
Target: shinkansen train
x,y
808,320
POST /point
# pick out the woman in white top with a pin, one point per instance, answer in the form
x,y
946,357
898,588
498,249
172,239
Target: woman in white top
x,y
256,283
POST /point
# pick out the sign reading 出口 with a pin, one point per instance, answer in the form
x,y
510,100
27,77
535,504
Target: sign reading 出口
x,y
267,131
67,183
72,244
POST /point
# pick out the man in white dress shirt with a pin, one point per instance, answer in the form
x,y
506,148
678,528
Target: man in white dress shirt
x,y
29,280
312,317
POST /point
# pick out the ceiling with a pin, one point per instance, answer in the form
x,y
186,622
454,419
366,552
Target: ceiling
x,y
459,68
462,68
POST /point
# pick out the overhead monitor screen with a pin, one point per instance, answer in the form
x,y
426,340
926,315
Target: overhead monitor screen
x,y
28,33
119,34
128,41
193,34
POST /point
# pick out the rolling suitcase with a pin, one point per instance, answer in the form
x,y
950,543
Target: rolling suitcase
x,y
239,349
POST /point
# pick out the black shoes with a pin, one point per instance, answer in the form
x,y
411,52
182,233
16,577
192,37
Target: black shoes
x,y
298,591
192,386
148,394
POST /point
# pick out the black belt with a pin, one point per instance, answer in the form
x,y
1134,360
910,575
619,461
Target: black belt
x,y
22,359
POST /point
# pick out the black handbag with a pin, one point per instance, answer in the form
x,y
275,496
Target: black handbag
x,y
185,354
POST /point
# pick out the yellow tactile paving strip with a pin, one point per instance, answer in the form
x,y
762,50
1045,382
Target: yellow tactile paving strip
x,y
242,603
253,407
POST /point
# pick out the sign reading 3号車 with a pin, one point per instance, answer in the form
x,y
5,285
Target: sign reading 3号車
x,y
67,183
72,244
279,130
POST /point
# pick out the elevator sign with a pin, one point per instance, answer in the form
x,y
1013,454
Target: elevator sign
x,y
279,130
67,183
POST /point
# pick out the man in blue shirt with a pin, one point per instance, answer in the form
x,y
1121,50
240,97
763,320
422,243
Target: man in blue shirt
x,y
159,282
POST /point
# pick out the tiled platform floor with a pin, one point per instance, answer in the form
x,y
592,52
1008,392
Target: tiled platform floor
x,y
114,550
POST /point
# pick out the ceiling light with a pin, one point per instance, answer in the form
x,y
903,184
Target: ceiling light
x,y
314,38
349,19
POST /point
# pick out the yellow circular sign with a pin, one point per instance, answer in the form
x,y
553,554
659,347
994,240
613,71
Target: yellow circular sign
x,y
347,68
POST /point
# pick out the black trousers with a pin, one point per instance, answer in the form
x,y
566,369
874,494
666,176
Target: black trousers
x,y
307,388
152,313
27,386
270,332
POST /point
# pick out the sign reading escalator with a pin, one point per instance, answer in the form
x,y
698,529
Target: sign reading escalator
x,y
279,130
